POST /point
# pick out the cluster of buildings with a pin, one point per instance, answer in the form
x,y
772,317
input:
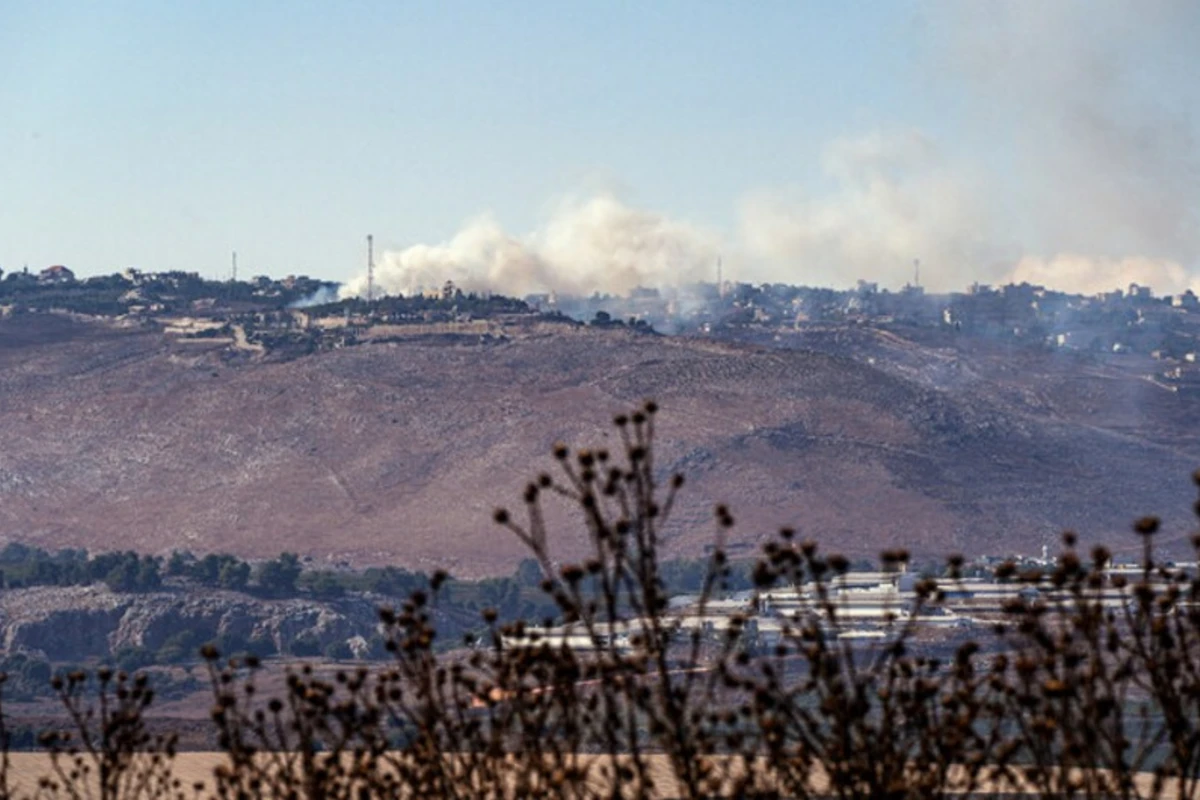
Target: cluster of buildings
x,y
1120,323
55,274
856,606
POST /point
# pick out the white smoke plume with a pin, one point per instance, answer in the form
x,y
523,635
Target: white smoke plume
x,y
896,200
326,294
1072,164
1090,275
1089,179
1099,148
600,245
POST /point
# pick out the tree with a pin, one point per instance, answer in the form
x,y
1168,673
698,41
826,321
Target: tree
x,y
149,575
326,586
15,553
235,575
278,577
132,659
179,563
100,567
207,571
391,580
45,573
134,574
122,577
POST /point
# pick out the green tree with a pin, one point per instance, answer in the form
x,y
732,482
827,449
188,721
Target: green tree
x,y
207,571
134,574
234,574
180,562
149,575
326,586
278,577
391,580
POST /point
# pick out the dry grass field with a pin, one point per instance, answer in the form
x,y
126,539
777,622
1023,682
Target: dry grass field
x,y
193,768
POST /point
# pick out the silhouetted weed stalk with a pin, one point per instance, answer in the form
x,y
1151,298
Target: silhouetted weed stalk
x,y
1087,685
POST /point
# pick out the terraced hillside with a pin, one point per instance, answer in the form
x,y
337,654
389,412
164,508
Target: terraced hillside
x,y
398,451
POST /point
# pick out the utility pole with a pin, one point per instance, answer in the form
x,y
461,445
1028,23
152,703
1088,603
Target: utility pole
x,y
370,268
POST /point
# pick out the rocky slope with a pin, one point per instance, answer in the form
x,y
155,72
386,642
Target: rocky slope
x,y
398,451
75,623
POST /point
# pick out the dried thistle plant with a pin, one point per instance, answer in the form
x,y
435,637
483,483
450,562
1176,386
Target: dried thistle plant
x,y
1088,685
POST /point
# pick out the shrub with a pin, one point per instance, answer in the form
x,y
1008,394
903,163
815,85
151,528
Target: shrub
x,y
306,645
339,651
277,578
234,575
131,659
325,585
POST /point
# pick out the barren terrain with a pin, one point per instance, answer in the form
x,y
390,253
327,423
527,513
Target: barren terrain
x,y
397,452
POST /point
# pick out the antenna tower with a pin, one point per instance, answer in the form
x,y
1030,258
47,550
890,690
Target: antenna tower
x,y
370,268
234,278
917,272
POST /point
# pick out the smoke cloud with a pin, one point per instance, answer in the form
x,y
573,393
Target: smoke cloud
x,y
599,245
897,199
1072,164
1090,275
1100,157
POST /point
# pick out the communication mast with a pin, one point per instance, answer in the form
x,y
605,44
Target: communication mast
x,y
917,273
370,268
234,272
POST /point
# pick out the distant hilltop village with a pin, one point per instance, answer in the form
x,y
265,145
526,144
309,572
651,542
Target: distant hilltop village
x,y
266,317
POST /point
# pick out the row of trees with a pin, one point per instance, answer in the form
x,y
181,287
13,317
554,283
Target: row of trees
x,y
278,577
518,595
21,565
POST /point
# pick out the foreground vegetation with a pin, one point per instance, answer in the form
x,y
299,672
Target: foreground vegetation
x,y
1071,695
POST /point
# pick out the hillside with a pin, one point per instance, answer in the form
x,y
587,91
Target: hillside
x,y
398,451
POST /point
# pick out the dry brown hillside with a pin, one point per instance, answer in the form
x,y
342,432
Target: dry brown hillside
x,y
397,452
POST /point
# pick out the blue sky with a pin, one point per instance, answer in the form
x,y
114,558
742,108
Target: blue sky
x,y
164,135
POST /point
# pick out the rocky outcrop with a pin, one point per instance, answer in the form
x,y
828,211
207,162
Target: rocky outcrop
x,y
80,622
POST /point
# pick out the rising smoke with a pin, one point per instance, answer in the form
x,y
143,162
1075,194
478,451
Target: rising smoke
x,y
1091,98
1082,176
596,245
897,198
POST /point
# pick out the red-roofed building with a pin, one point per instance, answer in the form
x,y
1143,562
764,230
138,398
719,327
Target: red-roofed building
x,y
56,274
